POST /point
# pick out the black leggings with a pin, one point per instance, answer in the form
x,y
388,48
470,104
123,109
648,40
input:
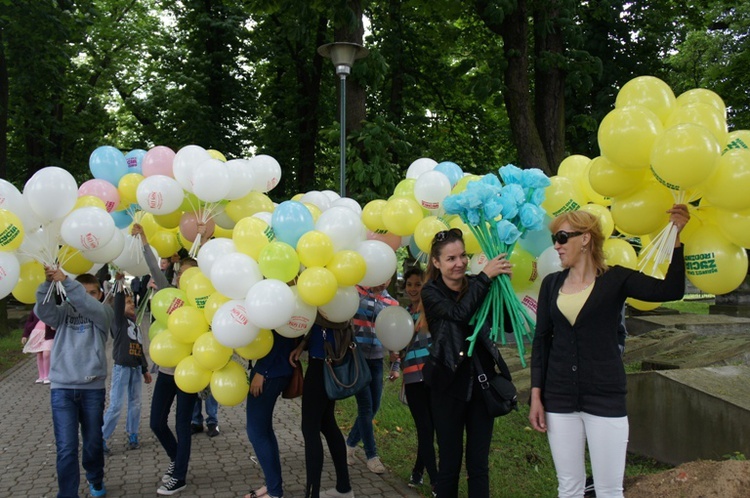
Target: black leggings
x,y
418,397
318,416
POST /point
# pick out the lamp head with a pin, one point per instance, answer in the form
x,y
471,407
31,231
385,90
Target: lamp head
x,y
343,55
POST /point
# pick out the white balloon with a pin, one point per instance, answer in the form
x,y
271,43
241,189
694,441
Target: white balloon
x,y
109,251
343,306
159,194
381,262
14,201
316,198
302,320
477,263
131,258
547,262
211,251
51,193
222,219
270,303
348,202
265,216
394,328
420,166
241,178
10,270
266,172
234,274
211,181
431,189
332,196
87,228
231,327
185,163
343,226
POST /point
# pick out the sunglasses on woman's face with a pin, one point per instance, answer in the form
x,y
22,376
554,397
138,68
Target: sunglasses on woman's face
x,y
452,233
561,237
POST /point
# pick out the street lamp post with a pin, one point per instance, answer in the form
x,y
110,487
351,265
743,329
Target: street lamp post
x,y
343,55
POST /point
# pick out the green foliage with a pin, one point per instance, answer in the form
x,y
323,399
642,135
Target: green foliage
x,y
735,456
11,350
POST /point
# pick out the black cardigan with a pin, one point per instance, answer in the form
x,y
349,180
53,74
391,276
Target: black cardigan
x,y
579,367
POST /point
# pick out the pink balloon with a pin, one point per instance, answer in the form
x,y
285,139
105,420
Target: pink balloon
x,y
391,239
103,190
189,227
158,161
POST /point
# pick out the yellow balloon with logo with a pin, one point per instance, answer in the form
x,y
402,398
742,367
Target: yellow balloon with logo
x,y
372,215
250,236
258,347
315,249
642,211
317,286
210,353
713,263
401,215
562,195
127,187
425,231
165,242
165,301
604,215
684,156
31,275
348,267
229,385
213,303
11,231
190,376
167,352
728,188
198,290
187,324
73,261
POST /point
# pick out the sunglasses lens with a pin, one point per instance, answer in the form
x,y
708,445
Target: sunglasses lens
x,y
560,237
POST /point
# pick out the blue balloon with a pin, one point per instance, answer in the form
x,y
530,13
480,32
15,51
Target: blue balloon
x,y
122,218
108,163
291,220
537,241
134,158
452,170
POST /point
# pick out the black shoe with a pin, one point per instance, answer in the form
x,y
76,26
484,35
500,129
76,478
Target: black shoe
x,y
171,487
168,474
415,480
196,428
588,490
213,430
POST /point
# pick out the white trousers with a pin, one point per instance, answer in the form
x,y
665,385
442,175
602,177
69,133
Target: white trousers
x,y
608,442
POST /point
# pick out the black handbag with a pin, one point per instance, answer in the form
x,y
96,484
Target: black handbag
x,y
500,395
345,376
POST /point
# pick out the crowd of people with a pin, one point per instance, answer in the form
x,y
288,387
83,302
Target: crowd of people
x,y
577,375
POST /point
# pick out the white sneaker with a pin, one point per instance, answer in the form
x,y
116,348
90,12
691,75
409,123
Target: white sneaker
x,y
351,451
332,493
375,465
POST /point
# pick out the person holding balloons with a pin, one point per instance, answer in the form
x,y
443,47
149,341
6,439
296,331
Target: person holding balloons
x,y
450,298
318,411
166,391
578,382
268,376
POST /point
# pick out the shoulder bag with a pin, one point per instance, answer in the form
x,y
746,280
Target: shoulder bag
x,y
347,375
294,388
499,393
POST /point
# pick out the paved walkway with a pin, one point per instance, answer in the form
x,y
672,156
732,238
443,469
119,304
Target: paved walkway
x,y
220,467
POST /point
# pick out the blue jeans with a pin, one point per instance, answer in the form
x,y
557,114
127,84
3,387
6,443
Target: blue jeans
x,y
368,403
261,435
69,408
178,449
212,411
124,380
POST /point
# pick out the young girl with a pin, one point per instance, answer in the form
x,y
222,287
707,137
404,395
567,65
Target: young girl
x,y
37,338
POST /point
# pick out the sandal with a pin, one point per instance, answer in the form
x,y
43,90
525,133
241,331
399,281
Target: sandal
x,y
258,493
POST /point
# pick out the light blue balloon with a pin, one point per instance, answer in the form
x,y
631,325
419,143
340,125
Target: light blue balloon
x,y
537,241
134,158
108,163
290,221
452,170
122,219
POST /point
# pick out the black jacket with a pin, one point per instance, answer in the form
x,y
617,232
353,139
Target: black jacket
x,y
579,367
448,322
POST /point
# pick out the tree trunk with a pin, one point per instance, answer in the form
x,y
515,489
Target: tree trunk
x,y
3,109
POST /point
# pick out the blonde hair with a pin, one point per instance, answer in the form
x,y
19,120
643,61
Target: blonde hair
x,y
583,221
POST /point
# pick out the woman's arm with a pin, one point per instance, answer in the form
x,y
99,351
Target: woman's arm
x,y
440,306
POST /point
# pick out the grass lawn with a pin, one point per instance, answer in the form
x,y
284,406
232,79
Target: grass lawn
x,y
10,350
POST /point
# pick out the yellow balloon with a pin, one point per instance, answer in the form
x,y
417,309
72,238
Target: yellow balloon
x,y
198,289
297,197
187,324
729,186
650,92
460,185
642,305
348,267
73,261
11,231
314,210
229,385
187,275
734,225
605,218
155,329
573,166
714,264
165,243
317,286
210,353
425,231
643,211
250,236
684,156
165,301
223,233
627,134
584,186
372,215
738,139
401,215
703,96
620,252
128,186
30,277
149,224
190,203
213,303
167,352
252,203
562,195
524,269
405,188
278,260
471,244
190,376
610,180
89,201
315,248
169,221
215,154
259,347
701,114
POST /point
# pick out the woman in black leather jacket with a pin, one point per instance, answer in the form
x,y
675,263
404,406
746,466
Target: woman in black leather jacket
x,y
450,299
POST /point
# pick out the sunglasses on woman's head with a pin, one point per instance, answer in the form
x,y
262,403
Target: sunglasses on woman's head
x,y
445,234
561,236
